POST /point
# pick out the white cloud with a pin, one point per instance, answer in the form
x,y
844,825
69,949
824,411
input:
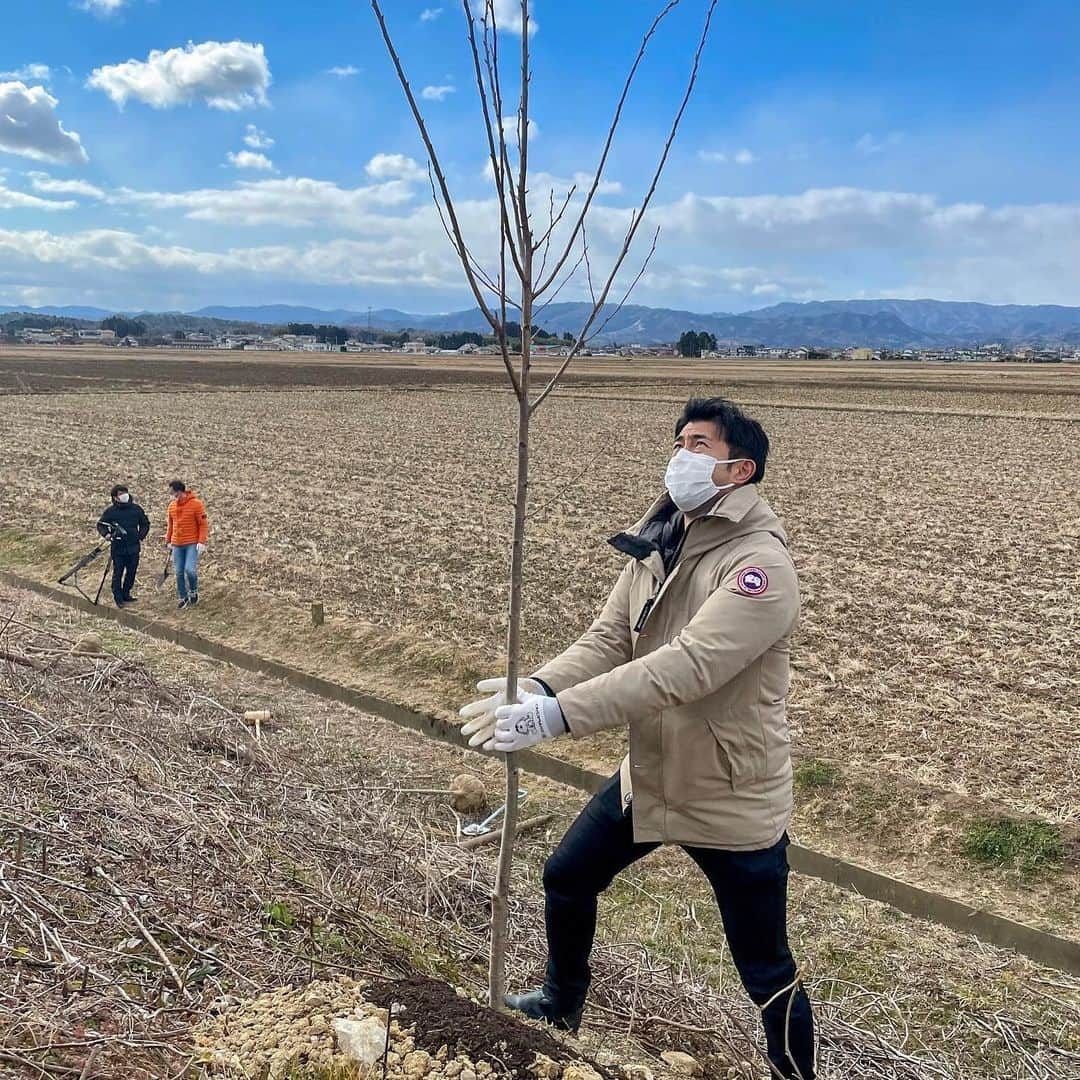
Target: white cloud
x,y
29,126
344,71
51,186
104,8
249,159
869,144
605,187
437,93
510,130
290,202
394,167
430,14
256,139
39,73
135,263
714,252
542,183
225,75
718,157
819,219
507,15
20,200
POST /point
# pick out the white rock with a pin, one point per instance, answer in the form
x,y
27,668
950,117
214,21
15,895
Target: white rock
x,y
362,1040
682,1063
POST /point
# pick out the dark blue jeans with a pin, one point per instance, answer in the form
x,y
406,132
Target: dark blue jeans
x,y
750,888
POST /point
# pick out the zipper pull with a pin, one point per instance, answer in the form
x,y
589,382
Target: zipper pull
x,y
639,625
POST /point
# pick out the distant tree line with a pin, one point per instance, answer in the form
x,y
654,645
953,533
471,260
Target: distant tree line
x,y
694,344
124,327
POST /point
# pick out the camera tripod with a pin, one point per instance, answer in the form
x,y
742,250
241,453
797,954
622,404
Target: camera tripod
x,y
113,532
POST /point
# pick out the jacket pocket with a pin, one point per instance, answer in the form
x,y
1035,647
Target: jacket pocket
x,y
741,740
696,764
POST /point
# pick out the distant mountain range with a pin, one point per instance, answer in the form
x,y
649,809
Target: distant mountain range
x,y
896,324
90,314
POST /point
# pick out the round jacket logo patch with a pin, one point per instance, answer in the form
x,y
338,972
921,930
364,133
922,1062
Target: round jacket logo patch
x,y
752,581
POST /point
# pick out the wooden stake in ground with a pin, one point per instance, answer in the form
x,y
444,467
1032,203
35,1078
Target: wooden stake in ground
x,y
526,270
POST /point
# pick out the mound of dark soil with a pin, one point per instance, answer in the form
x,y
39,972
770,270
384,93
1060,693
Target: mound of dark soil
x,y
445,1018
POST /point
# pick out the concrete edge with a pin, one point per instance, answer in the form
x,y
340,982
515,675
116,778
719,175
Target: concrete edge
x,y
1044,948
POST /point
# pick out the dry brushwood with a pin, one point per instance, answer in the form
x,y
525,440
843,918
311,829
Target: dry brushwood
x,y
146,875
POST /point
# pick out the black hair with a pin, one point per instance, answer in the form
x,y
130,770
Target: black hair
x,y
177,486
745,436
117,488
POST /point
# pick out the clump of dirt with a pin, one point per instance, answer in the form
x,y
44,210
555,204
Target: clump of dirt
x,y
467,794
438,1016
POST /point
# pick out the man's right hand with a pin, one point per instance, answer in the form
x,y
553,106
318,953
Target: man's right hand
x,y
479,727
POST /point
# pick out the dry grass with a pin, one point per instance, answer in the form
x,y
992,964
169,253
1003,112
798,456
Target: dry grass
x,y
168,860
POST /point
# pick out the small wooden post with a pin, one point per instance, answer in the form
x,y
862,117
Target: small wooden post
x,y
318,615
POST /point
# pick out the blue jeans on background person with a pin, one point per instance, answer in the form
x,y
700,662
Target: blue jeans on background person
x,y
186,565
750,888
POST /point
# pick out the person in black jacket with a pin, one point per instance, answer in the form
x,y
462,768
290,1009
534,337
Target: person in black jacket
x,y
128,526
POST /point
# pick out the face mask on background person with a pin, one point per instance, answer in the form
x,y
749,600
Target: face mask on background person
x,y
123,497
689,479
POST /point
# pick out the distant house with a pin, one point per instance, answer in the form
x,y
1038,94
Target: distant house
x,y
861,354
296,341
747,350
33,335
195,340
467,349
414,347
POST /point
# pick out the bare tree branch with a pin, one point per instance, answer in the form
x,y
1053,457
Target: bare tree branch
x,y
482,275
632,286
562,285
615,121
491,58
639,214
493,148
444,187
554,222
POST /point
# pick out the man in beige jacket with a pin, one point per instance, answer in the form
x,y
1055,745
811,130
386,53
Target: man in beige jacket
x,y
691,653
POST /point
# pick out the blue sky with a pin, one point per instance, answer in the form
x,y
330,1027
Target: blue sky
x,y
171,155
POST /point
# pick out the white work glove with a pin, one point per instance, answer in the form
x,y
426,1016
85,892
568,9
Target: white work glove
x,y
480,715
200,548
518,727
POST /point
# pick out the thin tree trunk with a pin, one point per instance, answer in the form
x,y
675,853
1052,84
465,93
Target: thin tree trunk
x,y
500,900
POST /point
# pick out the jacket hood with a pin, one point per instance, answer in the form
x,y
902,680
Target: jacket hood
x,y
739,513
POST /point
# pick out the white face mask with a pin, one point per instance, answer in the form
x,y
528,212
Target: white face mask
x,y
689,479
123,497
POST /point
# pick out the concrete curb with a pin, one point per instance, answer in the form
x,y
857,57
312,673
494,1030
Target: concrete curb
x,y
1044,948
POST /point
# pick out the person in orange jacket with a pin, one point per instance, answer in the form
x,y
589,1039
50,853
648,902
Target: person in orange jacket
x,y
186,535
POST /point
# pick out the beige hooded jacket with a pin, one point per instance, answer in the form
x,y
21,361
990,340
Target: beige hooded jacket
x,y
696,664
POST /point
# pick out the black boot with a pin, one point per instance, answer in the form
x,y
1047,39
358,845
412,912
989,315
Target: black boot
x,y
538,1005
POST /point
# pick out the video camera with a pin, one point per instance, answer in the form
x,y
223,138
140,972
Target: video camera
x,y
111,530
